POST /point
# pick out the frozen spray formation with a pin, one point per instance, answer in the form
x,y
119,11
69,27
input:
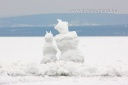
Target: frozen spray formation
x,y
67,43
49,50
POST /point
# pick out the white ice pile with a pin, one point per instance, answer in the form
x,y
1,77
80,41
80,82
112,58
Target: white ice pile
x,y
49,49
61,68
67,43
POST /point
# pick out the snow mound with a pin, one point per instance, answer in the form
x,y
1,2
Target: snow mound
x,y
67,42
62,68
49,49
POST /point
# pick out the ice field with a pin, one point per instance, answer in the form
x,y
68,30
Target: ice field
x,y
106,61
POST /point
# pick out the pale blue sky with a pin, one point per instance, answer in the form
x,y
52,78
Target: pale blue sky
x,y
28,7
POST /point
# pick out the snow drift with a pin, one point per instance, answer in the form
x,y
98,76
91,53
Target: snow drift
x,y
62,68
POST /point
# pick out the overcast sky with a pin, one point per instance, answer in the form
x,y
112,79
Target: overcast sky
x,y
28,7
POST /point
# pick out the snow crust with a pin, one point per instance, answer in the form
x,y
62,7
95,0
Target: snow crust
x,y
37,80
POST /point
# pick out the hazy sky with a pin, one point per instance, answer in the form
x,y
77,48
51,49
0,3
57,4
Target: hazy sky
x,y
28,7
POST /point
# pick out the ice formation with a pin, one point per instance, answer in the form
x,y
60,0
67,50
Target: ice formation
x,y
67,43
61,68
49,49
62,26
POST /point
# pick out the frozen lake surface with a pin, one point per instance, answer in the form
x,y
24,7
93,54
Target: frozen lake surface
x,y
106,61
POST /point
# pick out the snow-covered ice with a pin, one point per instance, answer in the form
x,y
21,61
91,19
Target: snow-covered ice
x,y
105,62
37,80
